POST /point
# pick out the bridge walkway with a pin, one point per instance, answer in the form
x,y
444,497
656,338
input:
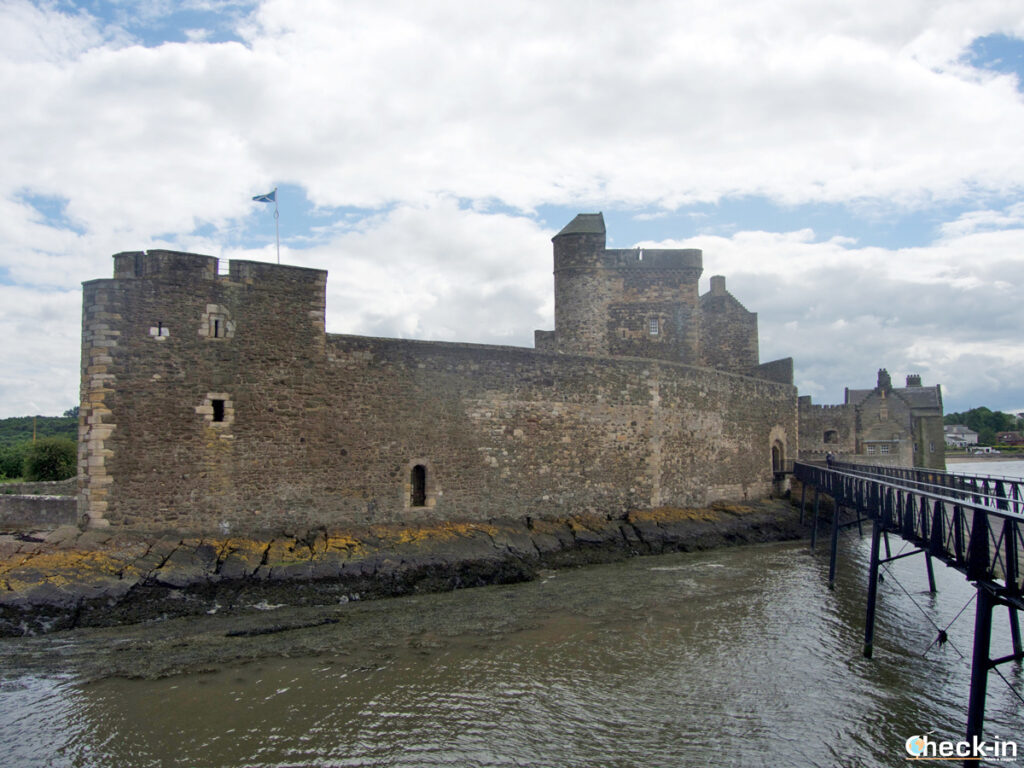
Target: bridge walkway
x,y
971,523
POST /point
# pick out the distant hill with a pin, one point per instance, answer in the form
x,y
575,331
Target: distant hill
x,y
18,429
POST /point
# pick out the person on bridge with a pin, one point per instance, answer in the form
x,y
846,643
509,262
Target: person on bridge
x,y
830,459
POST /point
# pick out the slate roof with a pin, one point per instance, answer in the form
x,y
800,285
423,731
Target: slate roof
x,y
584,224
916,397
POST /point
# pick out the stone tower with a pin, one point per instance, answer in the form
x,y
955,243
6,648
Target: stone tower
x,y
643,302
629,302
171,349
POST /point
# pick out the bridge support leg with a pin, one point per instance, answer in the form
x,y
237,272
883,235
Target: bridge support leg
x,y
803,497
1015,631
814,524
980,664
931,573
869,622
835,547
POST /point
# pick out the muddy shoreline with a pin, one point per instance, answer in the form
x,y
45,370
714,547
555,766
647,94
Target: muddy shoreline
x,y
198,606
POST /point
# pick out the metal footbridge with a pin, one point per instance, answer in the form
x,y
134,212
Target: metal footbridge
x,y
971,523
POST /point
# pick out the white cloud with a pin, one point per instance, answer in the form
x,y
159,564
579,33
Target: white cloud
x,y
368,103
41,332
407,107
439,272
949,310
36,34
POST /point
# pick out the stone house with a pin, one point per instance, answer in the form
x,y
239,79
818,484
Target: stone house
x,y
883,426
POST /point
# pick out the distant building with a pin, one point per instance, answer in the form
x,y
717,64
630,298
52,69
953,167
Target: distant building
x,y
886,425
1010,438
959,435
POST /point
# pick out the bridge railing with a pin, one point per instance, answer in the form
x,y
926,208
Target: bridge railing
x,y
975,527
1003,493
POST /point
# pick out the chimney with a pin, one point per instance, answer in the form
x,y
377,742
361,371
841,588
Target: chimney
x,y
914,380
717,285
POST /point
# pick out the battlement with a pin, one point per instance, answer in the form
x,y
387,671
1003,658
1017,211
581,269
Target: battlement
x,y
180,266
804,404
161,263
654,258
581,244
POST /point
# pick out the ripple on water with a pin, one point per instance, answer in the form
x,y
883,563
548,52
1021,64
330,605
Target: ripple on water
x,y
737,657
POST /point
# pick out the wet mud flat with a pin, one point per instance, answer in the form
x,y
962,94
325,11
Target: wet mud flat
x,y
245,593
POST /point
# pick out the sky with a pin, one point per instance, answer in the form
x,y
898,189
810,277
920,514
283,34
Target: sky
x,y
855,170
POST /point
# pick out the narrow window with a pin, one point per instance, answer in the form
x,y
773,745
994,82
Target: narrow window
x,y
653,326
931,447
419,486
216,329
218,410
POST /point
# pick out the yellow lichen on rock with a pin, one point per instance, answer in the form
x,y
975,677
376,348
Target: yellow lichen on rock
x,y
345,544
62,567
425,534
673,515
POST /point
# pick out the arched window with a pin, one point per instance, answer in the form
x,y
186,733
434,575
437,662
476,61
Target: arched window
x,y
418,486
831,436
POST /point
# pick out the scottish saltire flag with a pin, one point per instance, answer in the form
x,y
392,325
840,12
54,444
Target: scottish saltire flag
x,y
270,197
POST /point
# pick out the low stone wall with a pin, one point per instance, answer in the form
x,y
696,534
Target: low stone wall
x,y
20,512
67,487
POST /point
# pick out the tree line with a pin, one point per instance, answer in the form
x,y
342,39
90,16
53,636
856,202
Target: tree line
x,y
986,423
39,447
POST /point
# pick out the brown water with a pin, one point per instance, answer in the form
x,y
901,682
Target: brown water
x,y
734,657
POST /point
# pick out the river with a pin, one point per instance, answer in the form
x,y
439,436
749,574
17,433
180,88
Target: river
x,y
737,656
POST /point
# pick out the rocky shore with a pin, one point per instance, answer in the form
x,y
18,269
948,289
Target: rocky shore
x,y
68,578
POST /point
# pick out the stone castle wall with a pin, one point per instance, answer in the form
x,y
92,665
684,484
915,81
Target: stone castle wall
x,y
825,428
218,403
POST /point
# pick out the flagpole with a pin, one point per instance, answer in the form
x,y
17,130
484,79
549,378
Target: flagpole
x,y
277,231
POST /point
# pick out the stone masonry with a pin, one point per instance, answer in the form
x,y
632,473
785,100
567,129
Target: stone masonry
x,y
218,403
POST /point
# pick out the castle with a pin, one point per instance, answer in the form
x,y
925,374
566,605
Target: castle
x,y
218,402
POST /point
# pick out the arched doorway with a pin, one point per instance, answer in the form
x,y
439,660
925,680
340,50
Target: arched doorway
x,y
778,457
